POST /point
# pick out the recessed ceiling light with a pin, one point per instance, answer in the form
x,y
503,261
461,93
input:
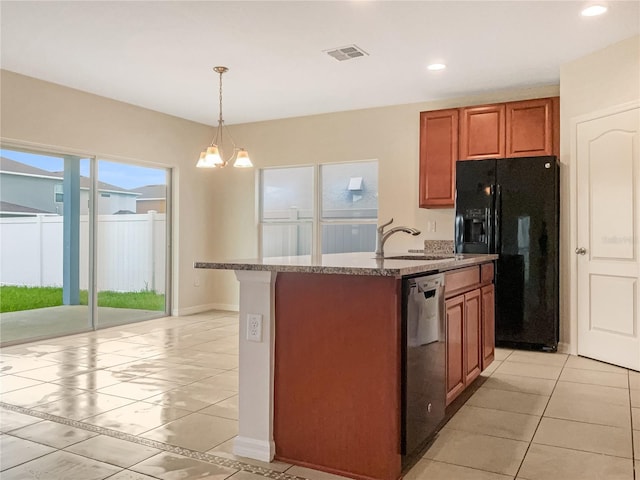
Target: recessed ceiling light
x,y
593,11
436,66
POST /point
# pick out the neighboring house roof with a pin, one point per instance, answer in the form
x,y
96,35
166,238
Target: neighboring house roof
x,y
11,166
85,182
7,207
17,168
151,192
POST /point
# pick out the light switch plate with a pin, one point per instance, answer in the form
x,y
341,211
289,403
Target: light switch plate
x,y
254,327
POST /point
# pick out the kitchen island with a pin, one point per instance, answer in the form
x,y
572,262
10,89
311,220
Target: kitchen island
x,y
321,358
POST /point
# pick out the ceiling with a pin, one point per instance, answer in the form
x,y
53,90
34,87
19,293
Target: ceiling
x,y
159,54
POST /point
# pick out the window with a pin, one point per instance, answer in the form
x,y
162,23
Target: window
x,y
57,193
332,208
349,207
287,211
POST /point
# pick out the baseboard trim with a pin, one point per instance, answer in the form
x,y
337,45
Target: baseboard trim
x,y
564,347
257,449
179,312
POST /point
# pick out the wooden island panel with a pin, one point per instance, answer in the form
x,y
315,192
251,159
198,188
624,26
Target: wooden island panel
x,y
337,380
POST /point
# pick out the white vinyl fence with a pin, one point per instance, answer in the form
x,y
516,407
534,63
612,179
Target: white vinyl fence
x,y
131,251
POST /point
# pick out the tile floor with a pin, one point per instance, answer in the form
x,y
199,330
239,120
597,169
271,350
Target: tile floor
x,y
159,400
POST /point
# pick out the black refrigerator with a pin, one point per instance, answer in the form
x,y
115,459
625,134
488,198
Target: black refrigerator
x,y
511,207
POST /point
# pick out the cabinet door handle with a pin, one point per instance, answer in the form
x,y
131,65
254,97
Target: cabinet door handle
x,y
581,251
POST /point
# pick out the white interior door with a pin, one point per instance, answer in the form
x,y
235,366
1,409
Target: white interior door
x,y
608,219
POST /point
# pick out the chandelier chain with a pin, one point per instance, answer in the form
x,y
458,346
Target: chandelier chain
x,y
220,96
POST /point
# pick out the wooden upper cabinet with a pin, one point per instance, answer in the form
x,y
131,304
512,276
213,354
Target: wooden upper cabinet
x,y
438,155
482,132
530,127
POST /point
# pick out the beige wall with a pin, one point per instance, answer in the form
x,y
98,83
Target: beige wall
x,y
41,114
603,79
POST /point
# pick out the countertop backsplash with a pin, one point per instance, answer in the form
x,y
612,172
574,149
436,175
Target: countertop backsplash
x,y
437,247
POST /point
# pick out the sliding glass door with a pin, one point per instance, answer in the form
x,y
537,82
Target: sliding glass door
x,y
131,242
44,242
78,249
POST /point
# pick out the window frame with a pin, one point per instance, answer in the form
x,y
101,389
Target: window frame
x,y
306,221
58,190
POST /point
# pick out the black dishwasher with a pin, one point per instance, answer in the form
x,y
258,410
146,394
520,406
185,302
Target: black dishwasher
x,y
423,355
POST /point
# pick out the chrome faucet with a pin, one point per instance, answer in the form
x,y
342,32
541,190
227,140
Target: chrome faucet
x,y
383,236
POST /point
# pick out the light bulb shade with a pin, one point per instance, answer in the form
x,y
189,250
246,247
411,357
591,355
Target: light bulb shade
x,y
213,156
203,162
242,159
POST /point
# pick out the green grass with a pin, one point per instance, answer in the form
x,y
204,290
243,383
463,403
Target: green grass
x,y
144,300
13,299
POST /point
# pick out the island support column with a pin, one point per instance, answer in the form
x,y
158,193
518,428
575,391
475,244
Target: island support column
x,y
256,368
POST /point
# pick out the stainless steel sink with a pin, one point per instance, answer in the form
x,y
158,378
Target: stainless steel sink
x,y
421,257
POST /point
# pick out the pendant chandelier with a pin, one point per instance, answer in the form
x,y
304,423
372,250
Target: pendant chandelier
x,y
213,156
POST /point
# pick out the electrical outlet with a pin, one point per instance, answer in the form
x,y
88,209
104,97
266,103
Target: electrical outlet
x,y
254,327
196,282
431,226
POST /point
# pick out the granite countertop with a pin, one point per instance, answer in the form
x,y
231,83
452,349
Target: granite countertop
x,y
361,263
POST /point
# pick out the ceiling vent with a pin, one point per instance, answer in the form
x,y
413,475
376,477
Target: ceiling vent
x,y
346,53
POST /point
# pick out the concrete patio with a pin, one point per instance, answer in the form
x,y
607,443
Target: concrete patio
x,y
63,320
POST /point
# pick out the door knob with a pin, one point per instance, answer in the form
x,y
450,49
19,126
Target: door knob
x,y
581,251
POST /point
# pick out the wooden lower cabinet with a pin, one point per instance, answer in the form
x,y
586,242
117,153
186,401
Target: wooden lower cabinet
x,y
472,336
455,351
470,327
464,342
488,325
